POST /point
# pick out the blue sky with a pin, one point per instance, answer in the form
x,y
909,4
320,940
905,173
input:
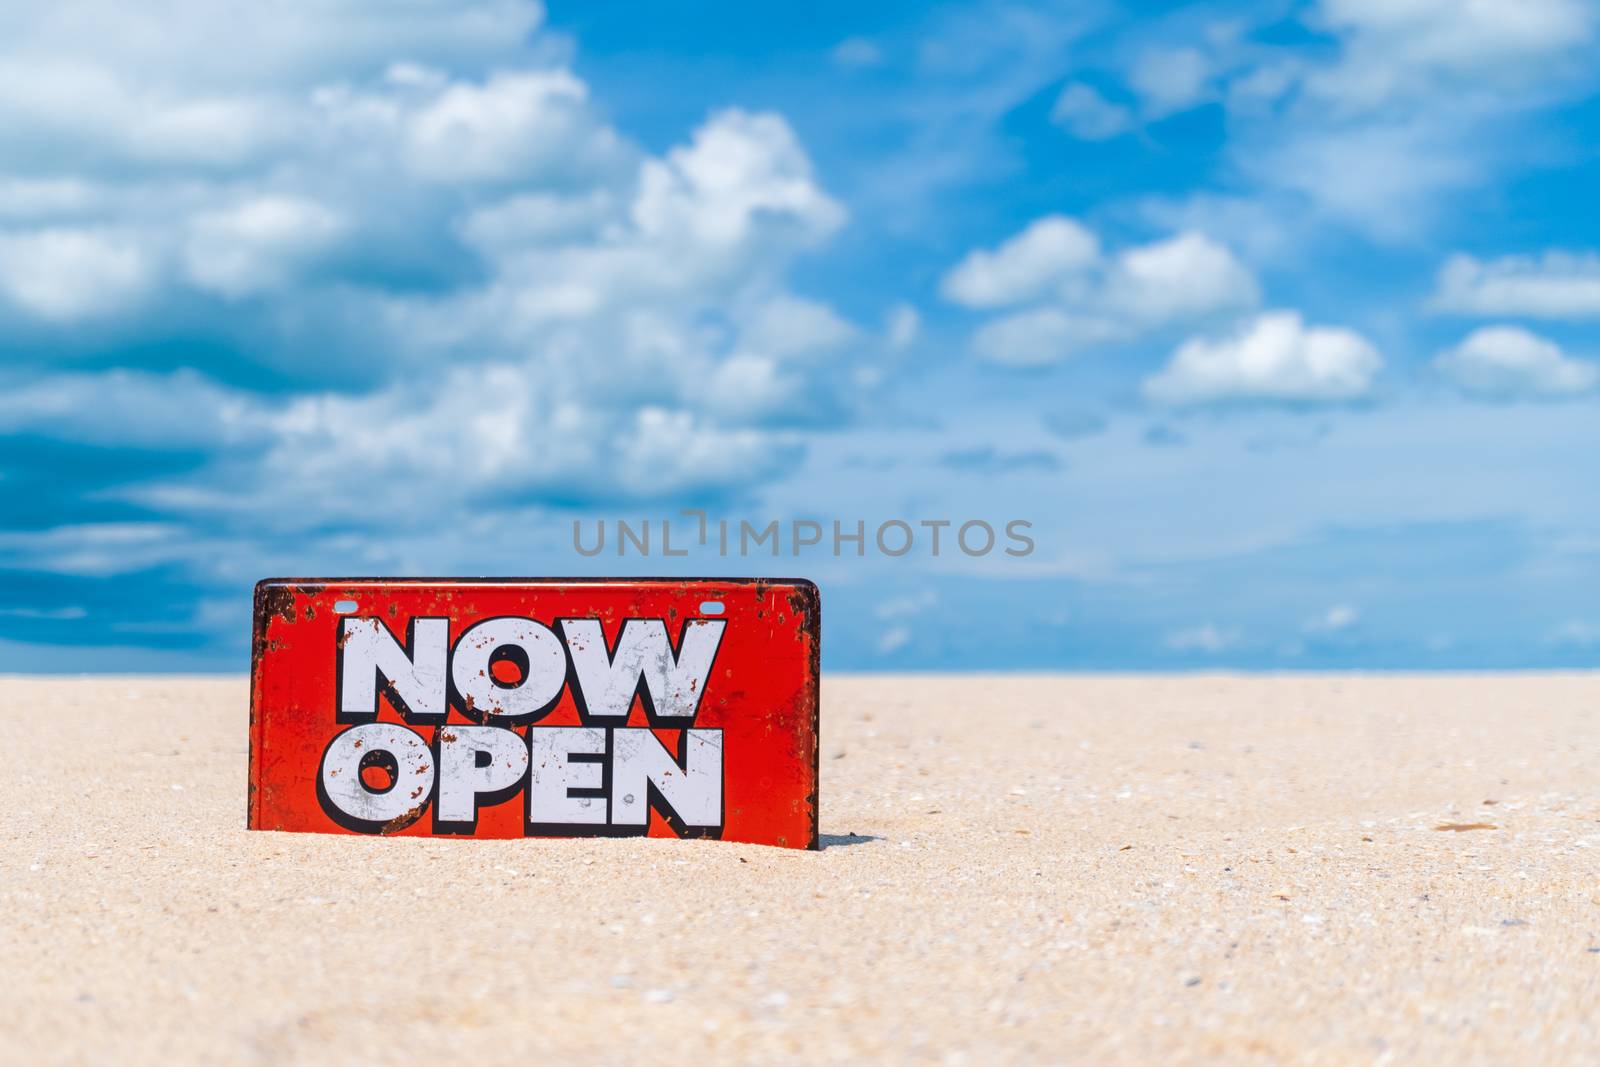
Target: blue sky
x,y
1277,321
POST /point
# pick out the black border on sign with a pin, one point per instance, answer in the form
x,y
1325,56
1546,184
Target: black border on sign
x,y
274,595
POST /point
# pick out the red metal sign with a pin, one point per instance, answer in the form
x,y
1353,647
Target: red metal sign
x,y
536,707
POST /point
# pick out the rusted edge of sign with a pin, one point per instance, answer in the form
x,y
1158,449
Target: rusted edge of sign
x,y
275,597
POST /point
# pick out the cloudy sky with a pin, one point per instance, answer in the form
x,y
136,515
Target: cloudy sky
x,y
1277,321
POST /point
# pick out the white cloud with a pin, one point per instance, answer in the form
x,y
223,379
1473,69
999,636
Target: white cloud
x,y
1088,116
1050,251
214,84
67,273
668,453
788,326
538,219
907,607
1274,357
657,289
1081,298
1510,362
1336,618
176,158
748,388
1575,633
856,52
893,640
740,169
1208,638
218,133
1182,276
501,432
1169,79
903,327
257,245
422,207
1393,47
514,124
34,199
181,410
51,104
1041,337
180,46
1257,89
1556,285
1409,102
642,356
95,549
1380,176
1257,225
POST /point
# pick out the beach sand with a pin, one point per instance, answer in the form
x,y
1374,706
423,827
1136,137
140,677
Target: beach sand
x,y
1018,869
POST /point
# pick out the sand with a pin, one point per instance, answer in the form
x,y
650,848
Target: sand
x,y
1018,869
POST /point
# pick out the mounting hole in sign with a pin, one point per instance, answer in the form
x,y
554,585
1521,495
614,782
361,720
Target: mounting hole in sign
x,y
711,607
345,607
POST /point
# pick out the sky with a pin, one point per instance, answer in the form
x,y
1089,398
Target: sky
x,y
1275,322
